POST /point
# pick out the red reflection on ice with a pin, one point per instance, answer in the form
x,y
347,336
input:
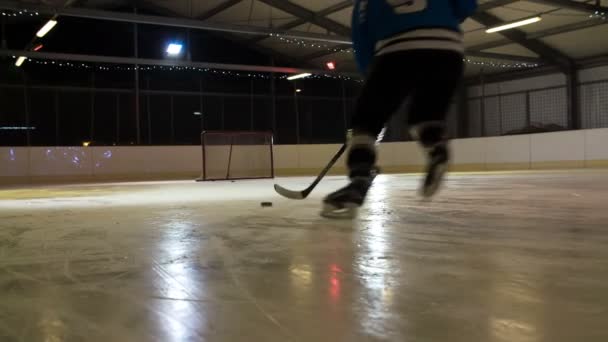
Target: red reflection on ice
x,y
334,281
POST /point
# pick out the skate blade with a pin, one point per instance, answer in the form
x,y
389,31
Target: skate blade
x,y
348,212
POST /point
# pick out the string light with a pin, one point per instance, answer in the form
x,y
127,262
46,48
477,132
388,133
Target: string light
x,y
22,13
520,65
330,76
84,66
152,68
308,44
349,50
599,15
338,77
228,73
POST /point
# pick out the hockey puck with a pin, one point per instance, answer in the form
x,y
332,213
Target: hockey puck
x,y
266,204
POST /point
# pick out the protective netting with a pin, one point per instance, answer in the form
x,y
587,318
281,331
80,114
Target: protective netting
x,y
237,155
524,111
594,105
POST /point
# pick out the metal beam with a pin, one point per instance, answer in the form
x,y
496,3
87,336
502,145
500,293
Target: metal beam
x,y
516,36
166,21
573,98
264,50
513,75
261,49
542,34
567,28
218,9
481,8
335,8
162,62
479,54
75,3
494,4
540,71
573,5
323,13
309,16
592,62
318,54
502,56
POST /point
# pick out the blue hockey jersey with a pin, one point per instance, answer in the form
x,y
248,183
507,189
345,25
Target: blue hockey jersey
x,y
384,26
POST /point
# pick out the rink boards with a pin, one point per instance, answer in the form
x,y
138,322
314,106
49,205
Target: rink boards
x,y
560,150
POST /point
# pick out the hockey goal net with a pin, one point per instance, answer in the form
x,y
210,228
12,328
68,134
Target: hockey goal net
x,y
237,155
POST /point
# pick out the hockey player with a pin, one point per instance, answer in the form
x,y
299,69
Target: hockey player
x,y
408,49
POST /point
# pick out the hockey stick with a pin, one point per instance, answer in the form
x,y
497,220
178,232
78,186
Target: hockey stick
x,y
299,195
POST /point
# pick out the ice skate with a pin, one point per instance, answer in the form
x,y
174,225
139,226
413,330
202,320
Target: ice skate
x,y
345,203
438,162
431,136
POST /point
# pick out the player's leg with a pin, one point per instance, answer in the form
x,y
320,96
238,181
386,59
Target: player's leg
x,y
383,93
437,79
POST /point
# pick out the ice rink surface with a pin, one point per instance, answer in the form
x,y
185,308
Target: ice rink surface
x,y
509,257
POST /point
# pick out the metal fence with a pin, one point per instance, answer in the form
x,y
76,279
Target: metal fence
x,y
66,116
594,104
515,112
535,110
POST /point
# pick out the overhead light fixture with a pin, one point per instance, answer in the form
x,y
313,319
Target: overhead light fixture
x,y
198,113
298,76
20,61
38,47
86,143
331,65
174,49
46,28
514,24
16,128
298,90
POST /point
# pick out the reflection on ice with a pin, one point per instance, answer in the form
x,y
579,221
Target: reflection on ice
x,y
52,328
176,278
334,283
374,262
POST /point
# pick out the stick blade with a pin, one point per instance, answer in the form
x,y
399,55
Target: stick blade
x,y
297,195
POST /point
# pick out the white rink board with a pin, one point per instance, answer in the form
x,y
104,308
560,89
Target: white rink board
x,y
20,164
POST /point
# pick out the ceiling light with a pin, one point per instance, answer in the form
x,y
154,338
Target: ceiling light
x,y
174,49
46,28
514,24
298,76
20,61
